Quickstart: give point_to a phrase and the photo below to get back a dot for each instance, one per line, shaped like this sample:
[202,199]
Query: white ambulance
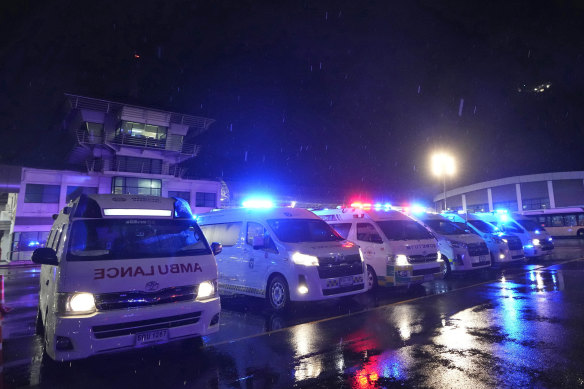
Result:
[124,271]
[504,248]
[397,249]
[535,239]
[282,254]
[460,249]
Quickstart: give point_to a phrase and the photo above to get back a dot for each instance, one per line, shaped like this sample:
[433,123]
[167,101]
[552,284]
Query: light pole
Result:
[442,166]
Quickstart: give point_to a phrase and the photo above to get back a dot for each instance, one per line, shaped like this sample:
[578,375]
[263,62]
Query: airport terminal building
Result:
[120,149]
[519,193]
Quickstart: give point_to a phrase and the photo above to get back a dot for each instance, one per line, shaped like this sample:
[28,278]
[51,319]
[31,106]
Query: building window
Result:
[204,199]
[140,134]
[477,208]
[138,165]
[538,203]
[182,195]
[39,193]
[137,186]
[75,191]
[29,240]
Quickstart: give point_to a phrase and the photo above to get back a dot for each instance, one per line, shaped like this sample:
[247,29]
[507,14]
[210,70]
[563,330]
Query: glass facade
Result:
[137,186]
[40,193]
[204,199]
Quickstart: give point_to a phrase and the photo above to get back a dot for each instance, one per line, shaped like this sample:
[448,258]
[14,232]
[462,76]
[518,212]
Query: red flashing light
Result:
[356,205]
[136,55]
[348,244]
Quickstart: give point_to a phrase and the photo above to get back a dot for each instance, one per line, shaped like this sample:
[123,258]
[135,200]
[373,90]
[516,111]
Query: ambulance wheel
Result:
[371,279]
[447,269]
[39,327]
[278,293]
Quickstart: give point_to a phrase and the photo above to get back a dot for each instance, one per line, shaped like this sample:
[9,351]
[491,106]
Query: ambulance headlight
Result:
[399,260]
[206,290]
[535,242]
[304,259]
[77,303]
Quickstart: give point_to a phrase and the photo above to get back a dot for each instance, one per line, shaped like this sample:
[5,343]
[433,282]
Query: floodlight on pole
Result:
[443,165]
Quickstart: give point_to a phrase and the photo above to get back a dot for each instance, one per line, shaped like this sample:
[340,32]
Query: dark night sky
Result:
[320,98]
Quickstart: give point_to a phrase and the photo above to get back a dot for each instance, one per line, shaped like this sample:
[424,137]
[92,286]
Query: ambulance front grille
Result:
[135,299]
[514,242]
[339,266]
[476,249]
[433,257]
[133,327]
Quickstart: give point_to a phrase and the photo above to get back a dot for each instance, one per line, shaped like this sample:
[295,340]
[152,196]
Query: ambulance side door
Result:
[258,258]
[371,243]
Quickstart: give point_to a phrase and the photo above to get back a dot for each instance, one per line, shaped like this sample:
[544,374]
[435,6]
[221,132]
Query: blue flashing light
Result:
[528,246]
[537,232]
[258,203]
[33,243]
[377,205]
[417,209]
[501,211]
[387,205]
[503,217]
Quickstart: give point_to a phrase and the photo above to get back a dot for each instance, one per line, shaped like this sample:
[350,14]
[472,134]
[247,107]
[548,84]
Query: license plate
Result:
[151,337]
[483,258]
[346,281]
[428,277]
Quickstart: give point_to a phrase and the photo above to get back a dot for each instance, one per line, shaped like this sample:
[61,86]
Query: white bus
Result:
[560,221]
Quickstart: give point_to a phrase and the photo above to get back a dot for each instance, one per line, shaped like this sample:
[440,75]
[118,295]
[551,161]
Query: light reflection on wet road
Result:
[520,326]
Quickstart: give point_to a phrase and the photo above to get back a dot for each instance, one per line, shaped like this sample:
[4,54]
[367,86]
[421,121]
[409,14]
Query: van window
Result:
[510,227]
[482,226]
[444,227]
[225,233]
[255,230]
[303,230]
[403,230]
[342,228]
[530,225]
[367,233]
[105,239]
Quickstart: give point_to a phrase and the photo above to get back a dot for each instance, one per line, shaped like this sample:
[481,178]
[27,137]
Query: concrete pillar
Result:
[519,201]
[490,197]
[551,194]
[464,203]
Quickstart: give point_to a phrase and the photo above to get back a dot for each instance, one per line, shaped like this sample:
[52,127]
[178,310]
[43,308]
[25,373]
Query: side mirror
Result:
[45,256]
[259,242]
[216,248]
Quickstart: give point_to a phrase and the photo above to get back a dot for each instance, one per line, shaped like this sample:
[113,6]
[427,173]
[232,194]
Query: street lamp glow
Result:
[443,164]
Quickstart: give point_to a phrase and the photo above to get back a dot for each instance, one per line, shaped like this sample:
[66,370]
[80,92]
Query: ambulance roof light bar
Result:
[136,212]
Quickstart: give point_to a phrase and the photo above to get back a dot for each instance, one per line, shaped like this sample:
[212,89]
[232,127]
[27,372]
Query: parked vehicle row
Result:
[126,271]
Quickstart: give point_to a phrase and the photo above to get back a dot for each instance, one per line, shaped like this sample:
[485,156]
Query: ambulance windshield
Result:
[403,230]
[444,227]
[106,239]
[303,230]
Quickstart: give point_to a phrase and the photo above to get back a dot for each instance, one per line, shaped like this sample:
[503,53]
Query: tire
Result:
[278,294]
[447,269]
[371,279]
[39,326]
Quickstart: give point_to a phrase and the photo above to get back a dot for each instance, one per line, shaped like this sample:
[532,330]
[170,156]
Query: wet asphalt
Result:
[517,326]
